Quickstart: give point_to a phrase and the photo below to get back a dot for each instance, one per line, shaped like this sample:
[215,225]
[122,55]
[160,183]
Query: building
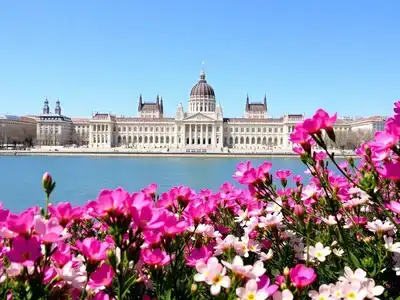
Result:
[16,130]
[54,129]
[202,128]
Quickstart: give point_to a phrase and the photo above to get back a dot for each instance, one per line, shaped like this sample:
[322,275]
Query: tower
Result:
[162,106]
[57,110]
[140,103]
[202,96]
[265,102]
[46,108]
[246,108]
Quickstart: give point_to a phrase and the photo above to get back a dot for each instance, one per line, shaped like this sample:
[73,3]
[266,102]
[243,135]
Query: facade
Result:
[54,129]
[16,130]
[202,128]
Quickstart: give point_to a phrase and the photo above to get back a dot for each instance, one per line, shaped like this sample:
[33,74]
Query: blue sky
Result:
[343,56]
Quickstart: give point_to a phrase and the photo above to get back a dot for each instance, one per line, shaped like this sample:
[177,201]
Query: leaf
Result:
[355,260]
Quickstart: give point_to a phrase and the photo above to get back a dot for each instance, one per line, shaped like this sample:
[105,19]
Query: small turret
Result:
[162,106]
[57,110]
[247,103]
[46,108]
[158,101]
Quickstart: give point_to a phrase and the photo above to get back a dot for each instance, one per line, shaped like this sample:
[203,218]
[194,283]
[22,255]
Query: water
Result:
[80,179]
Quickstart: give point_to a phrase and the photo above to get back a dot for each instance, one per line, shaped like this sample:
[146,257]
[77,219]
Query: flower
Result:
[101,277]
[65,213]
[250,291]
[213,273]
[349,275]
[155,257]
[372,289]
[390,246]
[25,250]
[302,276]
[324,293]
[93,249]
[378,226]
[319,251]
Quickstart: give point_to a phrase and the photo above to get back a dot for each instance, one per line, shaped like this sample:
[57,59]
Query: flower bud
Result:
[286,271]
[193,288]
[298,210]
[46,181]
[112,258]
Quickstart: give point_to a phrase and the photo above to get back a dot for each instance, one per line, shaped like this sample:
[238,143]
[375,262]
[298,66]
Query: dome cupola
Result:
[202,88]
[202,96]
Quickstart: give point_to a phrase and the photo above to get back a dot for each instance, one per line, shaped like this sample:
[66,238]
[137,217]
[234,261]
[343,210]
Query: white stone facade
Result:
[202,128]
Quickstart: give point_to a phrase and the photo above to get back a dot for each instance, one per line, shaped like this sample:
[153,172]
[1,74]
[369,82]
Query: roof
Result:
[256,107]
[103,116]
[80,120]
[134,119]
[150,107]
[54,117]
[202,88]
[251,120]
[9,117]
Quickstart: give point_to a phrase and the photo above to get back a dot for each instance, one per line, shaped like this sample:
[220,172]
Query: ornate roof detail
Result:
[202,88]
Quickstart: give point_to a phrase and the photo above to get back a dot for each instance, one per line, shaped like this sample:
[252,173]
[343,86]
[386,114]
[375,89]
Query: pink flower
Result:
[391,171]
[313,125]
[384,140]
[150,190]
[394,207]
[101,277]
[62,255]
[101,296]
[172,225]
[283,175]
[264,284]
[198,254]
[25,250]
[241,169]
[109,201]
[327,122]
[155,257]
[302,276]
[144,215]
[93,249]
[21,223]
[65,213]
[49,230]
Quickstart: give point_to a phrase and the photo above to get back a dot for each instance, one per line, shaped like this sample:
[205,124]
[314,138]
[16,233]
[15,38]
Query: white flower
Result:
[372,289]
[237,266]
[354,291]
[324,293]
[250,291]
[271,220]
[329,221]
[390,246]
[337,290]
[274,206]
[225,244]
[284,295]
[213,273]
[241,247]
[266,256]
[358,275]
[338,252]
[319,251]
[379,226]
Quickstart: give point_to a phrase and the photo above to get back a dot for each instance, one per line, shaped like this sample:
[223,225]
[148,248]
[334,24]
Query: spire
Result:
[158,100]
[162,106]
[265,101]
[140,103]
[247,102]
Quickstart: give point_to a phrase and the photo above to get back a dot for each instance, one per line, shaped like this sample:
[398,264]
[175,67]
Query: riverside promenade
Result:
[131,153]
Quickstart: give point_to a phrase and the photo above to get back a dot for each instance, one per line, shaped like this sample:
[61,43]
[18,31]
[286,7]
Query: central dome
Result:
[202,88]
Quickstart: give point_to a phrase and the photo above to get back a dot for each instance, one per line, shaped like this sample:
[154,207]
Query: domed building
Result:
[202,128]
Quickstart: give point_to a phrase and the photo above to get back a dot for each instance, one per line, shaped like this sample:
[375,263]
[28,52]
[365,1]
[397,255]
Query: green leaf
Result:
[355,260]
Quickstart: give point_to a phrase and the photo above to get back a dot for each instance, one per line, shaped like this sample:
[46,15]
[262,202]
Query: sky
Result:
[343,56]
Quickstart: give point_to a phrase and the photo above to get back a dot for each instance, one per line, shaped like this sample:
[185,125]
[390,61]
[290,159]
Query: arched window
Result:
[264,140]
[253,140]
[276,141]
[119,140]
[242,140]
[156,139]
[236,140]
[151,139]
[140,140]
[167,139]
[162,140]
[129,139]
[124,140]
[230,140]
[259,140]
[146,139]
[135,139]
[247,140]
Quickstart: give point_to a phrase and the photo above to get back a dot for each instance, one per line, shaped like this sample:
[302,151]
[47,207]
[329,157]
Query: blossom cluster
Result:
[332,233]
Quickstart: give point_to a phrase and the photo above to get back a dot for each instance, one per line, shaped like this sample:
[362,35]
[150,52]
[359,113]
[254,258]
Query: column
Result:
[201,134]
[206,134]
[213,136]
[190,134]
[196,134]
